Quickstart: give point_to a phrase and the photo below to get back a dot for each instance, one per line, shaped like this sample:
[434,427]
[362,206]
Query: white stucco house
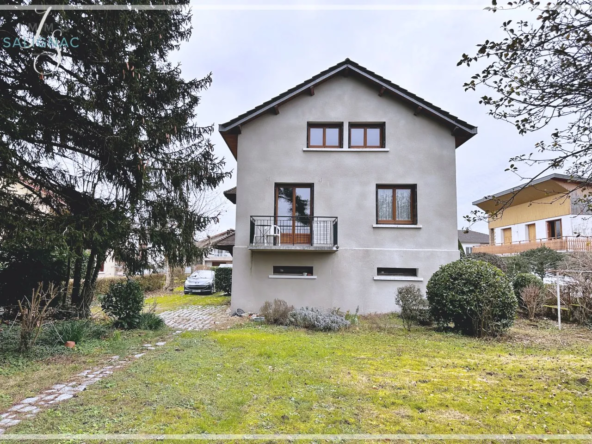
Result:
[346,190]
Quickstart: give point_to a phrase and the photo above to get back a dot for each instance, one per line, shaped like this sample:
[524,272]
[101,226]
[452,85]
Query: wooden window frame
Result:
[396,221]
[365,127]
[308,269]
[397,271]
[324,127]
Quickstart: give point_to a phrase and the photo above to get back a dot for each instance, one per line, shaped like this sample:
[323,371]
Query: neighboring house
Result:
[471,239]
[111,268]
[221,245]
[540,214]
[346,191]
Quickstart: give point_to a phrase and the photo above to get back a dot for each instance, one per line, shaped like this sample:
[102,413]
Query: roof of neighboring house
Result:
[217,239]
[231,195]
[461,130]
[537,189]
[472,237]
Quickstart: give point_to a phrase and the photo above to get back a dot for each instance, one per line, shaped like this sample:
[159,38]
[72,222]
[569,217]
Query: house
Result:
[470,239]
[543,213]
[346,191]
[221,246]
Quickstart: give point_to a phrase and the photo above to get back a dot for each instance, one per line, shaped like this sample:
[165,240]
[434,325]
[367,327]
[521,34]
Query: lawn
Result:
[376,379]
[176,300]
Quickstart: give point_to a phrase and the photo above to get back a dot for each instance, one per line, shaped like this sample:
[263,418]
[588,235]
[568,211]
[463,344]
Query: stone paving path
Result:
[199,317]
[29,407]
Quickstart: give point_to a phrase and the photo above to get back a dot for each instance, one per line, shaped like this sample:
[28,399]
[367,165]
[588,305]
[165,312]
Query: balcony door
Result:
[294,213]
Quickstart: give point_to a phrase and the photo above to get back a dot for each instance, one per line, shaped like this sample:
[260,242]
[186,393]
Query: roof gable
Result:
[461,130]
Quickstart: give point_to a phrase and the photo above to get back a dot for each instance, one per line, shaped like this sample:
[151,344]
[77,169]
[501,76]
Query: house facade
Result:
[549,212]
[345,191]
[220,249]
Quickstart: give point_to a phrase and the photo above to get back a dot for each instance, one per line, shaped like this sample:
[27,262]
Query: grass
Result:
[168,301]
[22,376]
[376,379]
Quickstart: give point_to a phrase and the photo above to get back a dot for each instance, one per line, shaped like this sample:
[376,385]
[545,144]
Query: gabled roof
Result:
[213,241]
[537,189]
[472,237]
[461,130]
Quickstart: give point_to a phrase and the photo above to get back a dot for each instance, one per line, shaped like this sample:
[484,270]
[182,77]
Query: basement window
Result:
[280,270]
[402,272]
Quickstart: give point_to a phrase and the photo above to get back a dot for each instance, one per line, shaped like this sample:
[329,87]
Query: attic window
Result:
[325,135]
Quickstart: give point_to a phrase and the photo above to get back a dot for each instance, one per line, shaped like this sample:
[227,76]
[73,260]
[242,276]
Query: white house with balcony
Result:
[346,190]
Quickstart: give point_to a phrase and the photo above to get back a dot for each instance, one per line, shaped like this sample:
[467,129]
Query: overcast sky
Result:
[256,54]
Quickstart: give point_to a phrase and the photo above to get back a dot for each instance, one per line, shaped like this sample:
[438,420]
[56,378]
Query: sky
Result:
[258,52]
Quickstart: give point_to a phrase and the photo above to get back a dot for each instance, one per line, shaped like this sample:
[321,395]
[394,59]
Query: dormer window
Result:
[325,135]
[366,135]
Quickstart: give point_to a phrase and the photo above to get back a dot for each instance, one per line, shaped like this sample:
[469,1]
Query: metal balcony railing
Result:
[293,230]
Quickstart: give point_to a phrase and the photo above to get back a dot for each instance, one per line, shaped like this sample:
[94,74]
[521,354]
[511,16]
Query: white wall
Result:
[421,152]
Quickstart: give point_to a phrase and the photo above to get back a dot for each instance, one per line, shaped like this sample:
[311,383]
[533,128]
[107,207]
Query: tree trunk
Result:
[169,281]
[83,308]
[75,298]
[88,292]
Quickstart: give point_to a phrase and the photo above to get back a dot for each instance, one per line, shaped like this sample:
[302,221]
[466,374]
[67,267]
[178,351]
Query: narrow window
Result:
[366,135]
[102,269]
[469,250]
[292,270]
[396,204]
[325,135]
[405,272]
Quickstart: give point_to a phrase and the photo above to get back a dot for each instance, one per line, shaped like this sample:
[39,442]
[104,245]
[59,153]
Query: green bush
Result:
[542,259]
[150,321]
[412,304]
[523,280]
[123,302]
[223,279]
[79,331]
[514,265]
[492,259]
[148,282]
[474,296]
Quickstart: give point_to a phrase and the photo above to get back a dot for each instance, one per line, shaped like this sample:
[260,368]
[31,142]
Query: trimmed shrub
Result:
[492,259]
[58,333]
[150,321]
[411,301]
[523,280]
[223,279]
[542,259]
[148,282]
[315,319]
[474,296]
[514,265]
[276,312]
[123,302]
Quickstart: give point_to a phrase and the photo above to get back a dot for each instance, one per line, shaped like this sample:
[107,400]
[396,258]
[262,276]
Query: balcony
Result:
[293,233]
[565,243]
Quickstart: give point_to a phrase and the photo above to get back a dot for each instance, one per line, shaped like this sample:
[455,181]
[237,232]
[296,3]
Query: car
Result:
[200,282]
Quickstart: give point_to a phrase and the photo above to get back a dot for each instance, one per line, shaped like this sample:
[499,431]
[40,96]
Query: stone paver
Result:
[198,317]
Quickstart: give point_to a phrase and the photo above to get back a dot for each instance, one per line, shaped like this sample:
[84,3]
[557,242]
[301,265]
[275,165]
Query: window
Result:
[102,269]
[292,270]
[325,135]
[406,272]
[554,229]
[469,250]
[366,135]
[395,204]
